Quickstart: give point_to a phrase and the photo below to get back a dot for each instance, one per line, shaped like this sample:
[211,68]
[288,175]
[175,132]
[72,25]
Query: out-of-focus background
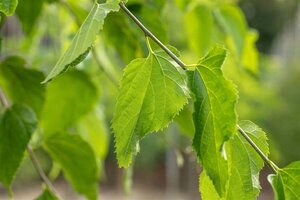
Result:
[268,81]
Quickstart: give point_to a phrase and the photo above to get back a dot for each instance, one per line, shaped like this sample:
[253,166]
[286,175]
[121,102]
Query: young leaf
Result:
[22,85]
[84,38]
[77,161]
[8,6]
[68,98]
[286,182]
[152,92]
[244,163]
[46,195]
[214,116]
[207,188]
[16,127]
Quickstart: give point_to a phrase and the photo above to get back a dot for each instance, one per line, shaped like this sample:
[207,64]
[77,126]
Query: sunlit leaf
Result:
[17,125]
[77,161]
[286,182]
[84,38]
[214,116]
[152,92]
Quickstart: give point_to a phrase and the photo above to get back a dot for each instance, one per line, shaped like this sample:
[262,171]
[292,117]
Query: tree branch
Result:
[272,166]
[32,156]
[152,36]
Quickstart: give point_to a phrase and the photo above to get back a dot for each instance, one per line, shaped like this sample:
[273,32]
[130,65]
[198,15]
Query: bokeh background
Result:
[268,81]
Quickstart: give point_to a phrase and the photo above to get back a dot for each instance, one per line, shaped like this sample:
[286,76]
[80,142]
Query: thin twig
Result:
[272,166]
[40,171]
[32,156]
[152,36]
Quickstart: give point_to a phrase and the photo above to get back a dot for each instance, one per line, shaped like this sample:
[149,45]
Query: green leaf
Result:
[214,117]
[152,93]
[22,85]
[77,161]
[207,188]
[286,182]
[17,125]
[185,122]
[8,6]
[84,38]
[244,163]
[234,24]
[250,53]
[28,12]
[47,195]
[68,98]
[93,129]
[199,28]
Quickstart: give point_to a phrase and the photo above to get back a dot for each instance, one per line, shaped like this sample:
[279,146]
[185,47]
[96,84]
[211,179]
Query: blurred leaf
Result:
[286,182]
[8,6]
[28,11]
[93,129]
[214,116]
[77,161]
[199,27]
[46,195]
[152,92]
[185,121]
[17,125]
[245,163]
[250,53]
[22,85]
[68,98]
[234,24]
[84,38]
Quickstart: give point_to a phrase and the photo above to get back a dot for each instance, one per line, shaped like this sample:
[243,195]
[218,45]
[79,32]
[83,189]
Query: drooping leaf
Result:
[47,195]
[214,117]
[244,163]
[152,92]
[77,161]
[28,11]
[68,98]
[84,38]
[185,122]
[199,28]
[8,6]
[93,129]
[16,127]
[234,24]
[22,85]
[286,182]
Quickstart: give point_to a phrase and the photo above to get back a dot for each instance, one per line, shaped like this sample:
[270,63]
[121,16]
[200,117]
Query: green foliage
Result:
[46,195]
[8,6]
[28,12]
[17,125]
[84,38]
[77,161]
[153,92]
[68,98]
[286,182]
[147,87]
[214,117]
[22,85]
